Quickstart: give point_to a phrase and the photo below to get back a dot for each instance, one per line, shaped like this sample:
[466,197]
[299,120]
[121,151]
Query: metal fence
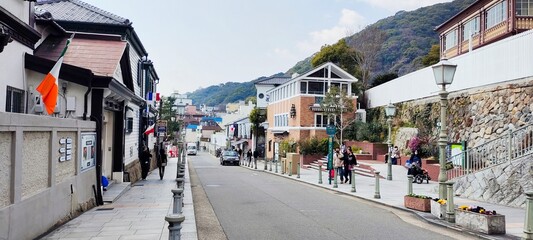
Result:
[516,144]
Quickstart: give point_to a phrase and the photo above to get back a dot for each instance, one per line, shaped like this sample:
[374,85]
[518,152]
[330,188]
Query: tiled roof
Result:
[78,11]
[100,56]
[273,81]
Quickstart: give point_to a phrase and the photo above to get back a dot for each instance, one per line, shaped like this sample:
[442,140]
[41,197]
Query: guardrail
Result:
[516,144]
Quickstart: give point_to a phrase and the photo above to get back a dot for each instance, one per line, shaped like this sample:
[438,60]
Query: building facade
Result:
[482,23]
[294,110]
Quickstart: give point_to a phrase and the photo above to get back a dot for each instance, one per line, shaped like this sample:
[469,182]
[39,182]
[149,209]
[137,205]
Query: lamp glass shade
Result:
[390,110]
[444,72]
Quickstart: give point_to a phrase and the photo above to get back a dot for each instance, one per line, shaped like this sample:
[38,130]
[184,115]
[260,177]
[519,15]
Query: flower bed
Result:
[438,208]
[417,202]
[481,220]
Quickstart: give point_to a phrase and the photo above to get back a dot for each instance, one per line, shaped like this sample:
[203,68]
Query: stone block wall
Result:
[502,184]
[475,115]
[35,164]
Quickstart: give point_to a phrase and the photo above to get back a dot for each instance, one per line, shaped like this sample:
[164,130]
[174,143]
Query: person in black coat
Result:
[349,164]
[145,162]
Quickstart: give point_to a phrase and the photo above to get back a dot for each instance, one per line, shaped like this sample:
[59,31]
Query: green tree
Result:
[338,106]
[383,78]
[167,111]
[339,53]
[253,99]
[432,57]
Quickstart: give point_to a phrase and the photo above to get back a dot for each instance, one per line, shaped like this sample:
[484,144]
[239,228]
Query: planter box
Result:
[488,224]
[419,204]
[438,210]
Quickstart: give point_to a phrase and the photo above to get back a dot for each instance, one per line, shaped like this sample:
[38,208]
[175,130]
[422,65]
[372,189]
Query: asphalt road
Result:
[240,203]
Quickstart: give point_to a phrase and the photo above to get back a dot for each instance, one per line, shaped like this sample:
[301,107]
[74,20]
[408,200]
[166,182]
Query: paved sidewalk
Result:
[139,213]
[392,193]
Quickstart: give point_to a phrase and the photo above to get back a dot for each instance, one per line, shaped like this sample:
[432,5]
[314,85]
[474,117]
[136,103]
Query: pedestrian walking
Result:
[145,162]
[338,163]
[249,156]
[395,155]
[349,164]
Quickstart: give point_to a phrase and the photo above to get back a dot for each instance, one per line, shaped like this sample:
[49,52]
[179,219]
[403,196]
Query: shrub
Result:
[414,143]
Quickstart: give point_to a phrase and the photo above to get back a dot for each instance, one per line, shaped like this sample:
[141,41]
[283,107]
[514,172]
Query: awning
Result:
[235,143]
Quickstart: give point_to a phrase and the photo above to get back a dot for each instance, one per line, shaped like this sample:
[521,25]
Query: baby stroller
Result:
[419,174]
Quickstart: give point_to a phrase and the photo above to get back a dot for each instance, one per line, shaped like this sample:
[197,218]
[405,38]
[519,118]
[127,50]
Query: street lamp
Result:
[443,72]
[390,111]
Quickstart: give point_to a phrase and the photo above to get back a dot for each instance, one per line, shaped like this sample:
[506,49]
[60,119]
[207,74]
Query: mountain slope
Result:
[409,37]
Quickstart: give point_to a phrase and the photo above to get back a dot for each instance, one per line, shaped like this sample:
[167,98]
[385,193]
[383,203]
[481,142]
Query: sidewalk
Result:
[392,193]
[139,212]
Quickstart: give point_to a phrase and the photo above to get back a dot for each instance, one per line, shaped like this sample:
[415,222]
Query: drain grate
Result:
[105,209]
[138,184]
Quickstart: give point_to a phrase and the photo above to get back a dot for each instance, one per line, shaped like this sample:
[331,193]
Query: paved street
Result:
[259,205]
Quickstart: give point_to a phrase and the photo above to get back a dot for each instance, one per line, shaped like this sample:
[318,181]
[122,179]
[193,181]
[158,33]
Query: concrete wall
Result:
[38,190]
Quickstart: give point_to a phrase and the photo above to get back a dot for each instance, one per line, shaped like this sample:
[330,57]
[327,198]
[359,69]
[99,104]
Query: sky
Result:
[198,43]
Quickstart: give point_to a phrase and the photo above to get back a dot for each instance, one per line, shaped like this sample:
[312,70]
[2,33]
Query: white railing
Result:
[515,144]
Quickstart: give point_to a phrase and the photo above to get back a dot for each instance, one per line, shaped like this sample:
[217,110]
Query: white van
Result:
[191,149]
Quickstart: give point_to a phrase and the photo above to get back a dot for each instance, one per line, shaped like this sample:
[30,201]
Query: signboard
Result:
[331,130]
[87,151]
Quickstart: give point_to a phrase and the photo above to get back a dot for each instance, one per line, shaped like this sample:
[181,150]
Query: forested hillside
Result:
[409,36]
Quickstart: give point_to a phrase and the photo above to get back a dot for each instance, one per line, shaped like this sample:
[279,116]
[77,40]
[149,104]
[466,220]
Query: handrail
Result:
[515,144]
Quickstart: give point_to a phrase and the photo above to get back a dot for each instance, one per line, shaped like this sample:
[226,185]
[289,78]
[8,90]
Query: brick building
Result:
[294,111]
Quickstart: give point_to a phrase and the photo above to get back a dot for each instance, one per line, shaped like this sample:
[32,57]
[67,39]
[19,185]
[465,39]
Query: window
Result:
[303,87]
[470,28]
[14,100]
[316,88]
[496,14]
[129,125]
[524,7]
[261,96]
[450,39]
[322,120]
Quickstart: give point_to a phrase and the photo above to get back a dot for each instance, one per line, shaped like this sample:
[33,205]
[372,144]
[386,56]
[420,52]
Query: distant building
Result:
[482,23]
[181,102]
[240,107]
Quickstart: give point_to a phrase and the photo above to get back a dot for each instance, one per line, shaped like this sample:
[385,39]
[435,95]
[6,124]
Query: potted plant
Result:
[417,202]
[479,219]
[438,208]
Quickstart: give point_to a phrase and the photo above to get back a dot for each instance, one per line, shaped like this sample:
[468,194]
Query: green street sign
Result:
[331,129]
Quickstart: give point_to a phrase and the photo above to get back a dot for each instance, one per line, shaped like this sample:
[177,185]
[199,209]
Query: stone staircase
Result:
[361,169]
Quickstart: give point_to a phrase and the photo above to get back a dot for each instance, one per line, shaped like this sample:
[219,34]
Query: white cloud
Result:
[348,21]
[407,5]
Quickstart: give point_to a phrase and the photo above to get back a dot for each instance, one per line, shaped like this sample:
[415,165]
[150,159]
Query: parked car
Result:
[229,156]
[191,150]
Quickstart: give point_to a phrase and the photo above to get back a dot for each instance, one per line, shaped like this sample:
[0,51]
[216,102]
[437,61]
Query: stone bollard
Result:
[290,168]
[176,206]
[266,164]
[298,171]
[180,182]
[409,184]
[255,163]
[282,167]
[320,173]
[270,164]
[181,174]
[450,207]
[528,223]
[174,226]
[376,194]
[353,180]
[276,167]
[335,185]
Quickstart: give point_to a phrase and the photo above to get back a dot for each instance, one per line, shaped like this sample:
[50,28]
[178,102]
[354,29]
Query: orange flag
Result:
[48,87]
